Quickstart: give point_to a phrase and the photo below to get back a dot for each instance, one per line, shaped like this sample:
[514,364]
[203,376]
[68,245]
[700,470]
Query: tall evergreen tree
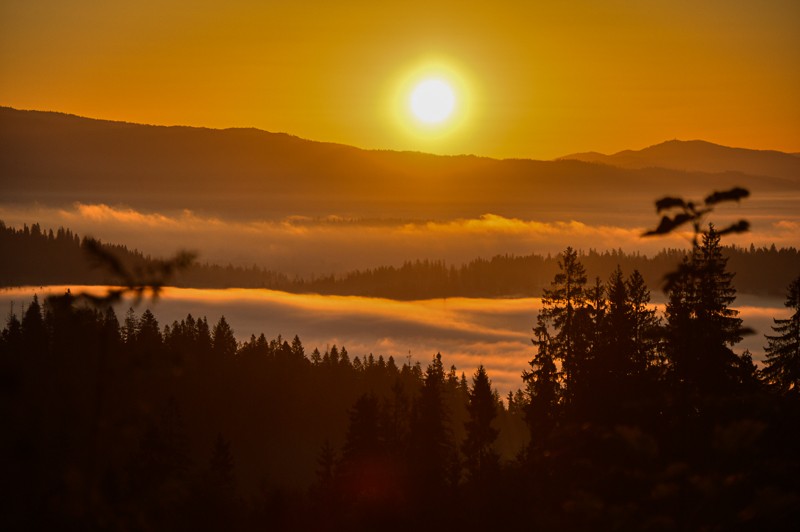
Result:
[542,387]
[783,348]
[715,293]
[223,343]
[363,431]
[701,326]
[481,434]
[34,333]
[432,446]
[646,324]
[564,307]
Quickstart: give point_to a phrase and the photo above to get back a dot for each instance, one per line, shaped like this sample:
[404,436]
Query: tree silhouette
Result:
[480,457]
[542,387]
[432,446]
[646,324]
[223,343]
[783,349]
[701,325]
[563,307]
[33,332]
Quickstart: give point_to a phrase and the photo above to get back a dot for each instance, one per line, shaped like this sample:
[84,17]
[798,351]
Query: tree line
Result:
[34,256]
[625,419]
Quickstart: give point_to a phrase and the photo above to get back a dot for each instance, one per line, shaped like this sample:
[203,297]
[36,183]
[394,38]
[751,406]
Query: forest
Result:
[625,419]
[36,256]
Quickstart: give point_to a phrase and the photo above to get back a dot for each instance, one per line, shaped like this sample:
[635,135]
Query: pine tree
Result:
[715,292]
[34,333]
[646,324]
[148,334]
[432,446]
[223,343]
[542,387]
[564,308]
[478,445]
[701,327]
[363,431]
[783,349]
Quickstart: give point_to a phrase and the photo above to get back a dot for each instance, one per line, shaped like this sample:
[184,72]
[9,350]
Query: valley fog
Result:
[466,331]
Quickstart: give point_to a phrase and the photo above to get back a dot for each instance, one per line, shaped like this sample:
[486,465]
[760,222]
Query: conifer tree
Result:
[542,387]
[478,445]
[363,431]
[432,446]
[564,308]
[715,292]
[34,333]
[701,327]
[617,333]
[646,324]
[783,348]
[223,341]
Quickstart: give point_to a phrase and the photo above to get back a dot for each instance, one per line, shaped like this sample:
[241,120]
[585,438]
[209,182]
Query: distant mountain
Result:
[701,156]
[56,159]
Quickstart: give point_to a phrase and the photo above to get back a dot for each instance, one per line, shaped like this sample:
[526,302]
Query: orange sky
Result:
[535,81]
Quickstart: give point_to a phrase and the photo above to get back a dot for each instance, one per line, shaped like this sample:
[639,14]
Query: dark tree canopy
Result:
[783,348]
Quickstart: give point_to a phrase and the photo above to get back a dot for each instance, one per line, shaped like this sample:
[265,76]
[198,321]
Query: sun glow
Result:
[433,104]
[432,101]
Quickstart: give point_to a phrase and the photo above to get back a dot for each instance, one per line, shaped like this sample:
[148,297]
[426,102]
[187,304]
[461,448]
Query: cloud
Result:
[466,331]
[303,245]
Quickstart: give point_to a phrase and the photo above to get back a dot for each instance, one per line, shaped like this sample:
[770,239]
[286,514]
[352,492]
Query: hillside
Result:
[55,159]
[701,156]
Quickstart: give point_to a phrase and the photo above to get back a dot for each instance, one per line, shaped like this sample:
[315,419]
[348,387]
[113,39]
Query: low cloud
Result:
[302,245]
[466,331]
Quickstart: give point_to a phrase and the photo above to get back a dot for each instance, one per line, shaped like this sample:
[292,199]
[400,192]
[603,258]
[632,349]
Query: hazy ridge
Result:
[56,159]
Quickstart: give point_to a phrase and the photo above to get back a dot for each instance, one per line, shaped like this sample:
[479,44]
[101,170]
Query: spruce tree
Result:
[223,341]
[701,327]
[432,446]
[646,324]
[542,388]
[478,445]
[564,308]
[715,293]
[783,349]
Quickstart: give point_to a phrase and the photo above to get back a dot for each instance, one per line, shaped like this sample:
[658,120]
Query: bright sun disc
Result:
[432,101]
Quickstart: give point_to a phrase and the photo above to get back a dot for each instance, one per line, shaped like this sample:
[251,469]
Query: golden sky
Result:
[532,79]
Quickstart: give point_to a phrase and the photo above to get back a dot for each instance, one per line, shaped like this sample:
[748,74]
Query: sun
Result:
[432,101]
[432,104]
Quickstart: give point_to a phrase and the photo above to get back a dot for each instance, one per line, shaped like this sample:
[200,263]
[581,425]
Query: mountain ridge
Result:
[699,155]
[58,159]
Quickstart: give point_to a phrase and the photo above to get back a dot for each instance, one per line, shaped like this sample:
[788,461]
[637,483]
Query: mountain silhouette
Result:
[54,159]
[700,156]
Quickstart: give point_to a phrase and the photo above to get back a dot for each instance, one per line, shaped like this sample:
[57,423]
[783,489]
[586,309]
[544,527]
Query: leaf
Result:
[668,203]
[742,226]
[668,224]
[734,194]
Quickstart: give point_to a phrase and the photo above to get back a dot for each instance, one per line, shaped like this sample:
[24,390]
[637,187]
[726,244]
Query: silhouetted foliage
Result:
[694,213]
[59,257]
[622,424]
[480,458]
[783,348]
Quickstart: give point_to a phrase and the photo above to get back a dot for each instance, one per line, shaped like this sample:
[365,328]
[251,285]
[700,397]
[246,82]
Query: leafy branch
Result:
[694,213]
[138,281]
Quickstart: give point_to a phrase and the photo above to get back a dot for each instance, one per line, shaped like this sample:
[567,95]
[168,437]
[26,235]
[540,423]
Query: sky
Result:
[531,79]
